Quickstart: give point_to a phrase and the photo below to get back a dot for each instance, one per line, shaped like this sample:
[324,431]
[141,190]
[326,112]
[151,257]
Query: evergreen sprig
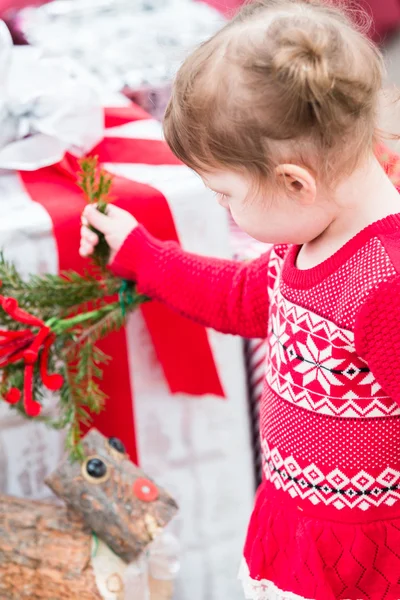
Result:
[96,184]
[42,292]
[80,310]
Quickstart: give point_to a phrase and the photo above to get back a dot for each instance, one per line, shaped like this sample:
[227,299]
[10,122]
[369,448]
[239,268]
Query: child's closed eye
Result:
[222,199]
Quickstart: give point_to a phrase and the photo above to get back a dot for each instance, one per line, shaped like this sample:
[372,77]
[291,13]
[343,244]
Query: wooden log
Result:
[44,553]
[119,502]
[46,549]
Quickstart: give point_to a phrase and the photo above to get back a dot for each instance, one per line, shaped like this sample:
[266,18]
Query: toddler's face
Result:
[265,216]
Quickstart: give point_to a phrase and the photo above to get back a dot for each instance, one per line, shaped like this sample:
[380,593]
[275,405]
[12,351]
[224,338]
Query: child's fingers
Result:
[85,249]
[96,219]
[115,212]
[89,236]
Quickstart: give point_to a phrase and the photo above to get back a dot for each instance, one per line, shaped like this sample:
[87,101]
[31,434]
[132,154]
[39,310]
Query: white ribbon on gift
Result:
[46,108]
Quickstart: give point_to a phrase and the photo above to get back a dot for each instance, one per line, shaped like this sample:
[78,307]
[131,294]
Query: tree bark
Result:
[124,507]
[44,553]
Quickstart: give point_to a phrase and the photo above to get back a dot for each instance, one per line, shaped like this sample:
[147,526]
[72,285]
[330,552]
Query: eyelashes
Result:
[219,196]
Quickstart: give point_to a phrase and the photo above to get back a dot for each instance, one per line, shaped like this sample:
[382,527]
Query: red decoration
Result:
[27,346]
[145,490]
[180,344]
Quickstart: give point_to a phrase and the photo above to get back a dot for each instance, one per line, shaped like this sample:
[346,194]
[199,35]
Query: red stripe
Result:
[63,201]
[253,349]
[258,364]
[120,115]
[258,382]
[256,346]
[181,345]
[135,151]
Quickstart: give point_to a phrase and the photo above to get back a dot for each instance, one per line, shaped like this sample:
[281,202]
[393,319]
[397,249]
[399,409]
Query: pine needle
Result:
[95,184]
[80,310]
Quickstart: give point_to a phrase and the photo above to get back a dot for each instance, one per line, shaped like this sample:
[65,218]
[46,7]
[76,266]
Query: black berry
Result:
[96,468]
[117,445]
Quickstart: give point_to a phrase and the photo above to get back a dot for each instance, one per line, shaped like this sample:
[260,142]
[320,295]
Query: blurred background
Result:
[143,41]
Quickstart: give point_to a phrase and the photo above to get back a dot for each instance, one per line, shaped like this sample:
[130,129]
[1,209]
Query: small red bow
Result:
[28,346]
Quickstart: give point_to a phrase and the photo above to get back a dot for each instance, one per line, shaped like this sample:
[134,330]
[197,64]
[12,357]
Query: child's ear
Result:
[298,182]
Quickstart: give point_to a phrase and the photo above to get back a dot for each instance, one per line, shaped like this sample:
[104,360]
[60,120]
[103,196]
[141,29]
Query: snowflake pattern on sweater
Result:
[326,522]
[313,363]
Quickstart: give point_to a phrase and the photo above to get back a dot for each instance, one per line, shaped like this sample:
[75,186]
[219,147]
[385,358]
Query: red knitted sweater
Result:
[326,523]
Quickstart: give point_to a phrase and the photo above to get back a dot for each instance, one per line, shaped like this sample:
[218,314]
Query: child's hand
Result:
[116,226]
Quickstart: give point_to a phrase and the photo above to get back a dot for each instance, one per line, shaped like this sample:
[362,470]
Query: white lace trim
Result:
[263,589]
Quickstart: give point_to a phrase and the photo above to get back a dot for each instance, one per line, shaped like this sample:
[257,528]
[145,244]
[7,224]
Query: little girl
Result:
[278,115]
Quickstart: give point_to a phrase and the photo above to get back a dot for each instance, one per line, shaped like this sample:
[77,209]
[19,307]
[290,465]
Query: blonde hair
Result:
[284,80]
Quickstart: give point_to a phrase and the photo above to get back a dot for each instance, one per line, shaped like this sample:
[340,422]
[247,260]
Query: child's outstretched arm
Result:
[226,295]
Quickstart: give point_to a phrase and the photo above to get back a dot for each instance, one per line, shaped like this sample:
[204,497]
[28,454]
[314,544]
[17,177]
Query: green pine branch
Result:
[83,373]
[96,184]
[94,181]
[80,397]
[41,292]
[77,309]
[113,321]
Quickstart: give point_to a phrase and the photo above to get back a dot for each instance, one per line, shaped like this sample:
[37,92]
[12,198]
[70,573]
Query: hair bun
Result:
[301,62]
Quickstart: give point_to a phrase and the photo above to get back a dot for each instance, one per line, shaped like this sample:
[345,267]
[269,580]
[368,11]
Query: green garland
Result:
[71,312]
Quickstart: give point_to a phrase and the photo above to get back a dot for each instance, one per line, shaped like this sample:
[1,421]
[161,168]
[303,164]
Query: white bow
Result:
[46,108]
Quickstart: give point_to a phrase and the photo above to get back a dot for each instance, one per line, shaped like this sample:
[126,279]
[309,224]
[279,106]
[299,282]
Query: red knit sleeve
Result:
[377,336]
[226,295]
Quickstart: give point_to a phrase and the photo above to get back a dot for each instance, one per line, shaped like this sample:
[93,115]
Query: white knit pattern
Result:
[363,490]
[310,359]
[263,589]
